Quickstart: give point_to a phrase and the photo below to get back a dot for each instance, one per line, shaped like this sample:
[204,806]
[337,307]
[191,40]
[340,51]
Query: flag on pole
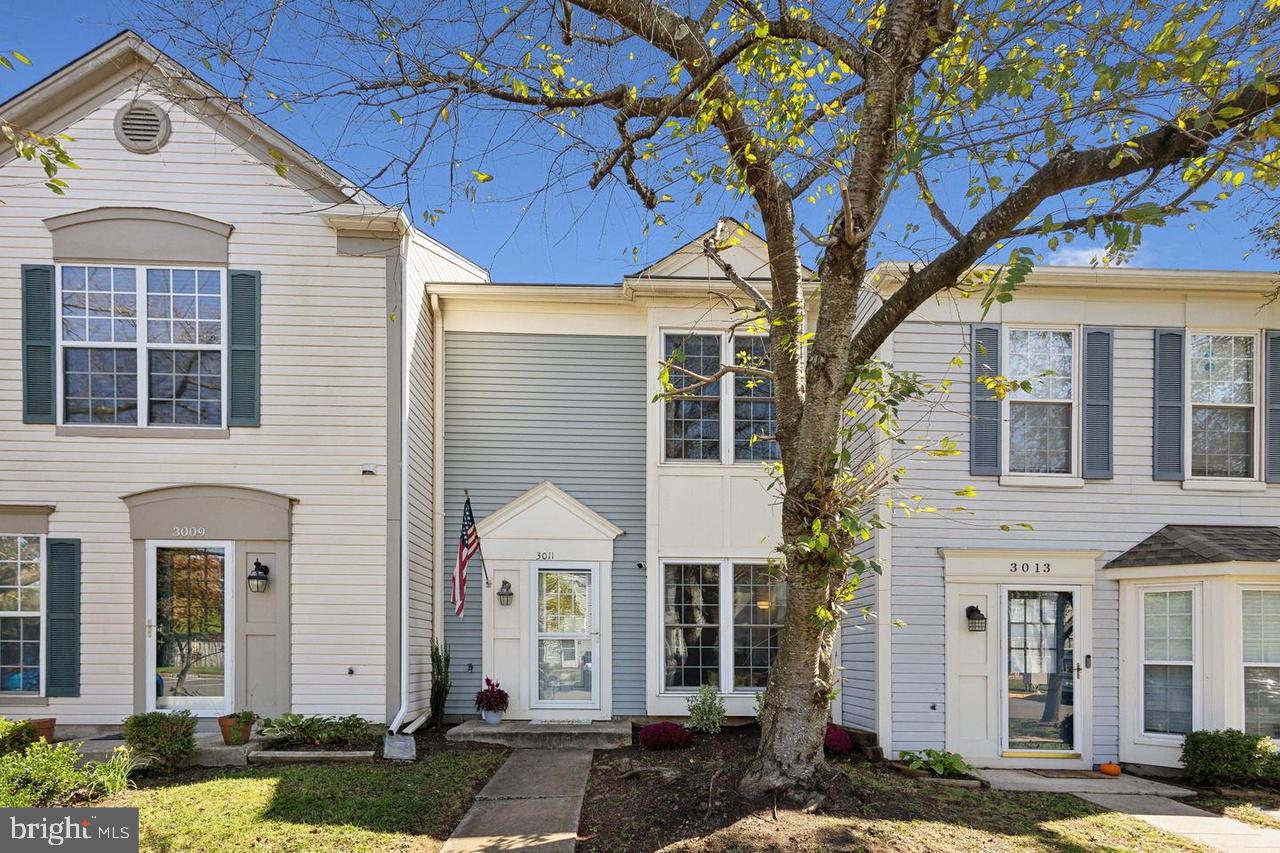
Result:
[468,546]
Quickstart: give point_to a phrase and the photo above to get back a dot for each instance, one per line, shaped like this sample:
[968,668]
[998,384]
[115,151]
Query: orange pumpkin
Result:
[1109,769]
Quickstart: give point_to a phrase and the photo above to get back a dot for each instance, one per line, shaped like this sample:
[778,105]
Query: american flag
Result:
[468,545]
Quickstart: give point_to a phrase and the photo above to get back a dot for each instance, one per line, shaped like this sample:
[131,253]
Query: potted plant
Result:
[237,727]
[44,727]
[492,701]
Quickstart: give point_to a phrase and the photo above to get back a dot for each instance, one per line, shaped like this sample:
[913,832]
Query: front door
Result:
[566,648]
[189,628]
[1042,673]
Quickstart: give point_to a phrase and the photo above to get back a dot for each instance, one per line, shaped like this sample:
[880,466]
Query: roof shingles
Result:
[1191,544]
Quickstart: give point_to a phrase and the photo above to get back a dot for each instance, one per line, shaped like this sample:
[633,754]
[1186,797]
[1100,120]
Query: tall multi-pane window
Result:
[759,604]
[1260,611]
[141,345]
[1040,419]
[755,419]
[691,624]
[693,417]
[722,624]
[21,576]
[1168,654]
[1222,394]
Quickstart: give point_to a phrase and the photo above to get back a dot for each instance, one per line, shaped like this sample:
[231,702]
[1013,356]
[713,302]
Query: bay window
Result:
[21,614]
[1041,419]
[1223,404]
[1168,661]
[141,346]
[721,624]
[1260,617]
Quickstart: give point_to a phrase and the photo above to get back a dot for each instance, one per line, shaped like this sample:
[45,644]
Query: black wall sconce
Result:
[259,577]
[977,620]
[505,594]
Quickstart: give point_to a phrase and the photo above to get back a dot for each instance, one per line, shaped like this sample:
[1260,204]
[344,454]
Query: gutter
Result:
[398,720]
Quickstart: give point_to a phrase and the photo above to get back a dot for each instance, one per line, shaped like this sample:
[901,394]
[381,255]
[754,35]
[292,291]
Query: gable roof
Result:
[1193,544]
[126,59]
[749,257]
[548,496]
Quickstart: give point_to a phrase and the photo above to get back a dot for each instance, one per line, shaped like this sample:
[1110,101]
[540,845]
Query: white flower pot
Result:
[492,717]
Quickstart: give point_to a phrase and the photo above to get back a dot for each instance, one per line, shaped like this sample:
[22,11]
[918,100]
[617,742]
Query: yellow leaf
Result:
[482,177]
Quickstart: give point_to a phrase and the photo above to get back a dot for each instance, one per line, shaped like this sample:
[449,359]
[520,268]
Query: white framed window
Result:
[1044,421]
[1260,656]
[1222,405]
[1168,645]
[22,584]
[141,346]
[697,425]
[721,624]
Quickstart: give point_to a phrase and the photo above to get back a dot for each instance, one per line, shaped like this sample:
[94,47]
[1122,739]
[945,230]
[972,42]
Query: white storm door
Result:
[1042,673]
[566,646]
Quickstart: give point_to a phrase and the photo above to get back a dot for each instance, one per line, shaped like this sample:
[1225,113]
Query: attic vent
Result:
[142,127]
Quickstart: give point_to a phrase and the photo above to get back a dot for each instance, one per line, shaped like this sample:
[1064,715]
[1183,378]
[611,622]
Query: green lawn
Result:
[357,807]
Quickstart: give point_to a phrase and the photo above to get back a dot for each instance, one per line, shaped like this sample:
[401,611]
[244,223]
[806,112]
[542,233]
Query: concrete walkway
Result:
[1092,783]
[531,803]
[1212,830]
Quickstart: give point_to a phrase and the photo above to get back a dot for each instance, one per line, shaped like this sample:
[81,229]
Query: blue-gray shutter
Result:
[38,345]
[1271,443]
[244,321]
[1166,439]
[62,618]
[984,406]
[1097,395]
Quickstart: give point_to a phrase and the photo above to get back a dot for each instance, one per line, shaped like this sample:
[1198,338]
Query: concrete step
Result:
[525,734]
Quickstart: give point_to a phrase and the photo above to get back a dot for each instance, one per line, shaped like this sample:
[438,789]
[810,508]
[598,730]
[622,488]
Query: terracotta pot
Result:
[1109,769]
[44,727]
[235,732]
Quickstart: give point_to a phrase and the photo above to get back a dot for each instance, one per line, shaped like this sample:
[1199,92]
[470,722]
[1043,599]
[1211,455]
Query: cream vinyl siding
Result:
[1108,515]
[323,412]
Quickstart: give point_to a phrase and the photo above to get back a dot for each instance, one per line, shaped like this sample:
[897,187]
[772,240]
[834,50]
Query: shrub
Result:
[1227,757]
[351,731]
[837,742]
[440,681]
[47,775]
[706,711]
[939,762]
[16,735]
[666,735]
[492,697]
[166,740]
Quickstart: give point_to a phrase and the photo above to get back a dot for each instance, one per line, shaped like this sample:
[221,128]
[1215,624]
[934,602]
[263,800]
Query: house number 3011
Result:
[1030,568]
[188,531]
[545,555]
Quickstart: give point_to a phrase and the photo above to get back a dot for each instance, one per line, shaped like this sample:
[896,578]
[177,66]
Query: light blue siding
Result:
[520,409]
[858,650]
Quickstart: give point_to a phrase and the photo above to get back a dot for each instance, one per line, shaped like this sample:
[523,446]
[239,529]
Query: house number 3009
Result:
[1030,568]
[188,531]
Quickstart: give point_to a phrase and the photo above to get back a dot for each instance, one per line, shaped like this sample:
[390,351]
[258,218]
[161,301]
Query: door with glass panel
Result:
[567,638]
[188,628]
[1042,718]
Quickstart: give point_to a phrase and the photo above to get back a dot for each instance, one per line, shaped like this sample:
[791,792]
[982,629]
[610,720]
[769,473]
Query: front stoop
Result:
[522,734]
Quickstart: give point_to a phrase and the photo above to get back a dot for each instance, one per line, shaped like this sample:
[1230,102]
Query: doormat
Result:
[1069,774]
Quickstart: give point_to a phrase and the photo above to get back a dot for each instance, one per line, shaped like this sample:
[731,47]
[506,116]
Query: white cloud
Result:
[1084,256]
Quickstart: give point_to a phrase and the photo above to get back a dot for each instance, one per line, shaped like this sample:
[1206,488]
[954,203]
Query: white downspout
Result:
[437,467]
[405,360]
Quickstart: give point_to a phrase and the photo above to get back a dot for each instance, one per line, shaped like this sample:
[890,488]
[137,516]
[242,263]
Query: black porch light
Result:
[505,593]
[977,619]
[259,577]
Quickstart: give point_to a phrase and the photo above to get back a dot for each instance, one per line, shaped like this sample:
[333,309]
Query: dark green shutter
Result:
[1166,439]
[1271,436]
[62,618]
[1097,394]
[244,321]
[984,406]
[38,345]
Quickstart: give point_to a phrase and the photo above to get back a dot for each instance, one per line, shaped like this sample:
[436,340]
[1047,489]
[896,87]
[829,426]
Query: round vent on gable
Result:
[142,127]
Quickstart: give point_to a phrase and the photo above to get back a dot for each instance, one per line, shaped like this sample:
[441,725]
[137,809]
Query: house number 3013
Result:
[188,531]
[545,555]
[1030,568]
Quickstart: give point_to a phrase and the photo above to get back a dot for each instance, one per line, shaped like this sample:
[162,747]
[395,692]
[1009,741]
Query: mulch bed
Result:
[641,800]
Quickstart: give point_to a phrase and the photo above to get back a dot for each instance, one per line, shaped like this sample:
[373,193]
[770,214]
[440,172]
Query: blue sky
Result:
[574,235]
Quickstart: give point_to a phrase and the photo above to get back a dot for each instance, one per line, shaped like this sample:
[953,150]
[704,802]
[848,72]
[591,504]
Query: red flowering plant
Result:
[837,741]
[492,697]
